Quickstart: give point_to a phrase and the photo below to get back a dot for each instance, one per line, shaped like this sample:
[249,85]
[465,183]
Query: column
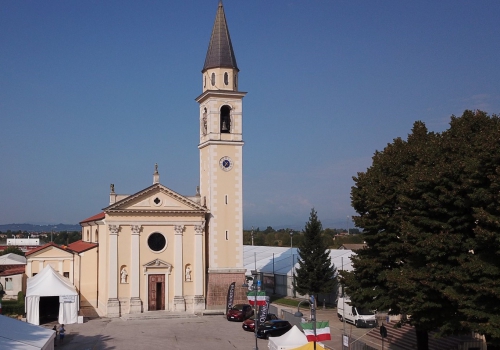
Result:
[113,305]
[179,302]
[60,267]
[135,300]
[199,299]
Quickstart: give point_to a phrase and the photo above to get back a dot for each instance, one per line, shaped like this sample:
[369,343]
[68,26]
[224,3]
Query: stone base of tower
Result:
[218,282]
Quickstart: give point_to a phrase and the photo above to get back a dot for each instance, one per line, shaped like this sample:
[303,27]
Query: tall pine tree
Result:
[315,273]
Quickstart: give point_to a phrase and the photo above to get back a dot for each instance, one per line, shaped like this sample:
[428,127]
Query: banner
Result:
[230,297]
[263,310]
[261,297]
[322,331]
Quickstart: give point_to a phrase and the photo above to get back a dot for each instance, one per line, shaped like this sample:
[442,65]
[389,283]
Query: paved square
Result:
[204,332]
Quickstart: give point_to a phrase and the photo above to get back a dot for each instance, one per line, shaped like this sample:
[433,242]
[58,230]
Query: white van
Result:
[355,315]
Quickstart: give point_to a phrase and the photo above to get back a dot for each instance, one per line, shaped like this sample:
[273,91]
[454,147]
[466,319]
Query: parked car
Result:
[249,325]
[239,312]
[273,328]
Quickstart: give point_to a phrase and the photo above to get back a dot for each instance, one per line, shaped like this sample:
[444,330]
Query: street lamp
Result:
[2,292]
[251,234]
[291,256]
[312,304]
[254,287]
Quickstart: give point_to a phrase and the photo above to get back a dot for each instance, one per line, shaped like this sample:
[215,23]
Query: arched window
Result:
[213,79]
[225,119]
[226,79]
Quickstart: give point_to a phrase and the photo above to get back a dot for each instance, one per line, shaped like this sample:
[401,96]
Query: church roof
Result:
[81,246]
[220,52]
[96,217]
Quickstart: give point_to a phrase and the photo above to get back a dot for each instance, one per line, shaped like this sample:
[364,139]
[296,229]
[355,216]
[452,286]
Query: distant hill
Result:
[39,228]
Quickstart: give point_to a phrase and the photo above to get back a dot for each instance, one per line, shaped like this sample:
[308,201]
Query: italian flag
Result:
[322,331]
[261,298]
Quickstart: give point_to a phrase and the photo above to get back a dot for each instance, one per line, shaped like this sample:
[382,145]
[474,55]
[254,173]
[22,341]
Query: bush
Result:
[12,307]
[20,297]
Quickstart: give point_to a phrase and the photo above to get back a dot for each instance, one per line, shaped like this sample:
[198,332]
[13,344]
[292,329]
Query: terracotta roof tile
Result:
[51,244]
[13,271]
[99,216]
[81,246]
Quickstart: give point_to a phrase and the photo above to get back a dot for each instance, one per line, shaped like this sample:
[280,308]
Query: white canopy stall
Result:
[290,340]
[49,283]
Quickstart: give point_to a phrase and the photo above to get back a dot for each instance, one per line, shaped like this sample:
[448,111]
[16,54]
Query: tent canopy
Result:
[310,346]
[24,336]
[290,340]
[49,283]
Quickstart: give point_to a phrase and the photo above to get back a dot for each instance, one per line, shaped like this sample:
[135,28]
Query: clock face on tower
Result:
[226,163]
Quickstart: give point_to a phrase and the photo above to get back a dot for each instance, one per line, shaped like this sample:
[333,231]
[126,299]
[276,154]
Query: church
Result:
[157,249]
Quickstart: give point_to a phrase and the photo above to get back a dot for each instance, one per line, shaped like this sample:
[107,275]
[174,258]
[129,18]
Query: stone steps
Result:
[154,315]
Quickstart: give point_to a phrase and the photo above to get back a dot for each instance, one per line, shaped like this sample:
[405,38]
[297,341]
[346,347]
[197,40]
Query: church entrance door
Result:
[156,298]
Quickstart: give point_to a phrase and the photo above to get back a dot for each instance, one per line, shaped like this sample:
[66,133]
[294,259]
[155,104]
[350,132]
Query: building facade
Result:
[160,250]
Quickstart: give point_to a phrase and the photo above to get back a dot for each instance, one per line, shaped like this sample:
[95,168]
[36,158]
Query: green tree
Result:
[13,250]
[429,212]
[315,273]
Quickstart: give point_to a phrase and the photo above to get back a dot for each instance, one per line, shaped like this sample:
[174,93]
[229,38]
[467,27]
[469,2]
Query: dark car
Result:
[273,328]
[249,325]
[239,312]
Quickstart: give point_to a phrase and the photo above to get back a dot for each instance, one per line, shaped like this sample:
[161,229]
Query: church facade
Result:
[160,250]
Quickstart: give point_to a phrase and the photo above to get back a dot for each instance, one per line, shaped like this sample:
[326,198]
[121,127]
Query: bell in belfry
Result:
[224,126]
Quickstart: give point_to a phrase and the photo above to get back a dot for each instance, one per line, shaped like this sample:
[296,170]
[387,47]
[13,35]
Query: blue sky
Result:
[97,92]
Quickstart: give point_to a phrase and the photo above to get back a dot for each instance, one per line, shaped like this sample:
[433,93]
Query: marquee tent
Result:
[290,340]
[17,335]
[49,283]
[310,346]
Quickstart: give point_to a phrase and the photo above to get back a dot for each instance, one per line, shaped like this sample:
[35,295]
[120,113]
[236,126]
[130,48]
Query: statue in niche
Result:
[123,276]
[188,274]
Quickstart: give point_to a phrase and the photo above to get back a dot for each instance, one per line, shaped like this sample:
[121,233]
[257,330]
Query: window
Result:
[157,242]
[226,198]
[227,237]
[96,236]
[8,283]
[226,79]
[66,274]
[33,275]
[213,79]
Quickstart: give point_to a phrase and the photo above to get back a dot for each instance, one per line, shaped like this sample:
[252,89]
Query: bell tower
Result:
[221,163]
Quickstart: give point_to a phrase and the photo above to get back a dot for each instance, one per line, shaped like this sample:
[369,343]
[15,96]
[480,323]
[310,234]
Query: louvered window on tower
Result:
[225,119]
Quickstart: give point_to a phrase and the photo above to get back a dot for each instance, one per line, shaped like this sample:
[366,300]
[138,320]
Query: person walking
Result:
[55,338]
[62,332]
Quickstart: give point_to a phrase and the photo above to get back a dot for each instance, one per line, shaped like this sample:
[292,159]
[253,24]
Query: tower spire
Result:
[220,52]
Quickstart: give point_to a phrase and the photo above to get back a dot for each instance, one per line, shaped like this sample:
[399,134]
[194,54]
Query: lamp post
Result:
[312,304]
[2,292]
[291,257]
[255,289]
[251,234]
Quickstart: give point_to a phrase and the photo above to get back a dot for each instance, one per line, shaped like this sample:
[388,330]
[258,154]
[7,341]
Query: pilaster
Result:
[179,302]
[199,299]
[113,305]
[135,300]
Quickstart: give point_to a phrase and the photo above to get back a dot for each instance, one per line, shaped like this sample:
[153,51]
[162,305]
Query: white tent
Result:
[49,283]
[12,259]
[17,335]
[290,340]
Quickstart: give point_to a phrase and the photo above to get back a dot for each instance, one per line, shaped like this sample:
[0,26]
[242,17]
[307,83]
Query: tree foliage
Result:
[430,214]
[315,273]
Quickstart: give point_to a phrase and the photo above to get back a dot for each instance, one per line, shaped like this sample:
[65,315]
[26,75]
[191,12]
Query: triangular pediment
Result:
[157,264]
[50,251]
[156,198]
